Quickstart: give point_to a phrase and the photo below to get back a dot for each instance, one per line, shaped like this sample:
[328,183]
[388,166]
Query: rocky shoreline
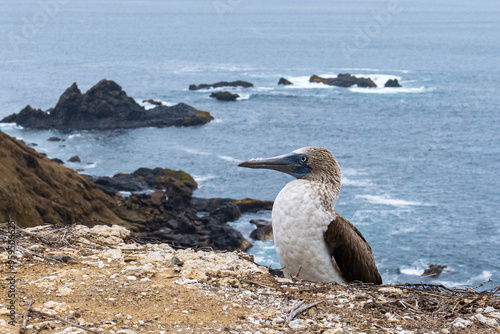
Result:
[49,193]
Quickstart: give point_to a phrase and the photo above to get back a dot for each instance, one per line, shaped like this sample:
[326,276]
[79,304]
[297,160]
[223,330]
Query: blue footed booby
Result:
[313,242]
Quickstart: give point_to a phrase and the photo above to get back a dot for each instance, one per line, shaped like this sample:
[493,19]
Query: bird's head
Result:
[309,163]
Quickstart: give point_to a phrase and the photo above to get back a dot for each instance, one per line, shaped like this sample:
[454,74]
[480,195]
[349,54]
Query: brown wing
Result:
[352,254]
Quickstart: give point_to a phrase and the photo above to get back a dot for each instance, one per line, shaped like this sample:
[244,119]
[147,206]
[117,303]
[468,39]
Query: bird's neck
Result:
[329,193]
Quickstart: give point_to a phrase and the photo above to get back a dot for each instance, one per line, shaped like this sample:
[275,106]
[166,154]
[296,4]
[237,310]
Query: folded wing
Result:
[350,252]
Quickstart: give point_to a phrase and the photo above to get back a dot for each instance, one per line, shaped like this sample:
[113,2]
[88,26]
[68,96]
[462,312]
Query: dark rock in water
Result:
[245,205]
[75,158]
[344,80]
[226,213]
[237,83]
[144,179]
[105,106]
[32,144]
[433,270]
[392,83]
[260,222]
[264,230]
[284,81]
[225,237]
[151,101]
[54,138]
[59,161]
[224,96]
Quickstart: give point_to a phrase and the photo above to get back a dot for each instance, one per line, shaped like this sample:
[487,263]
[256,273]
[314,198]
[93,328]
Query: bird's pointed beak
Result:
[288,163]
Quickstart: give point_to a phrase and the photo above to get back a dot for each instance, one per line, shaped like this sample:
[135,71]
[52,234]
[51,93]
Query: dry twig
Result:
[25,318]
[301,307]
[56,317]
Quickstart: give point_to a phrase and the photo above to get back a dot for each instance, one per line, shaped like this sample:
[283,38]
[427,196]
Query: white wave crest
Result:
[390,90]
[146,105]
[202,178]
[386,200]
[483,277]
[228,158]
[371,69]
[355,183]
[416,269]
[404,230]
[194,151]
[244,96]
[412,271]
[11,126]
[352,172]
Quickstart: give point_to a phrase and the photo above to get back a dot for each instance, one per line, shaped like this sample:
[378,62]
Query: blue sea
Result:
[420,164]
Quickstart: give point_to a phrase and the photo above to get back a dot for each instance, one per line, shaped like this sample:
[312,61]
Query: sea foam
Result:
[390,90]
[347,69]
[148,106]
[356,183]
[11,126]
[386,200]
[228,158]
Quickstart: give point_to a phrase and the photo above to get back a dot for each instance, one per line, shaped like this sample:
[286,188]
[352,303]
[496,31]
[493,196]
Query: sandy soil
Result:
[82,280]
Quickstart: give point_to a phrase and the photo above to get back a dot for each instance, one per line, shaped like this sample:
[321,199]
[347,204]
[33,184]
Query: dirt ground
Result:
[81,280]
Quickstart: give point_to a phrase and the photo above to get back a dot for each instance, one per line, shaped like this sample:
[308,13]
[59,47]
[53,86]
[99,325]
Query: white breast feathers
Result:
[299,223]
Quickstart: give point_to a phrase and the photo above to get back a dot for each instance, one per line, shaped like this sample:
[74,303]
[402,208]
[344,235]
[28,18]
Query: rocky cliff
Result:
[35,190]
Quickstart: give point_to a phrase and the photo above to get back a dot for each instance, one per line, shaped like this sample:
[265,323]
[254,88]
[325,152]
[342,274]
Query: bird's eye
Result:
[303,158]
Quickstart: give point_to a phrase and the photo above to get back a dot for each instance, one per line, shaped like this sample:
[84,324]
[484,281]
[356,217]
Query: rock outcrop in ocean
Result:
[284,81]
[344,80]
[392,83]
[264,230]
[105,106]
[224,96]
[238,83]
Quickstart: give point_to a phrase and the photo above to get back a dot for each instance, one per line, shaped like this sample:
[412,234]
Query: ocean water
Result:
[420,164]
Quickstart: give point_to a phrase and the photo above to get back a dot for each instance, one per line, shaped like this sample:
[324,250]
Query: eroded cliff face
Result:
[35,190]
